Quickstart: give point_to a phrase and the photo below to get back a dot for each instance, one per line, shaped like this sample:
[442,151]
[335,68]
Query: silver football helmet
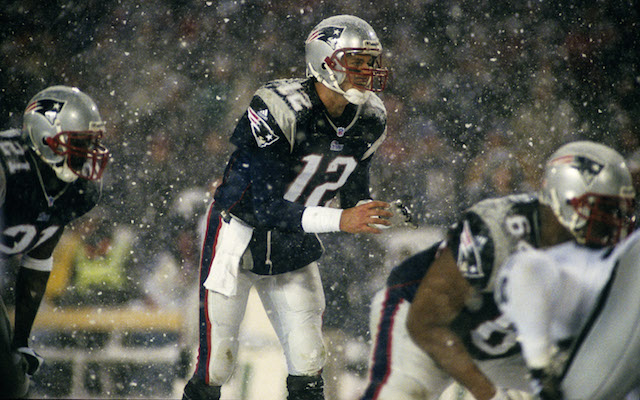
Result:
[63,126]
[325,51]
[589,188]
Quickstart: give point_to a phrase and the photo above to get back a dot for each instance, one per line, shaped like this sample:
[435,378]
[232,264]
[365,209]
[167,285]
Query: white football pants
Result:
[294,302]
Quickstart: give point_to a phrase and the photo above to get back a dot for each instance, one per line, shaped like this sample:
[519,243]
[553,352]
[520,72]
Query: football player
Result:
[436,322]
[550,295]
[300,144]
[51,172]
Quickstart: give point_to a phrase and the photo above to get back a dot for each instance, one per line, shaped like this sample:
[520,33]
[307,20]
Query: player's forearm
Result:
[445,349]
[30,288]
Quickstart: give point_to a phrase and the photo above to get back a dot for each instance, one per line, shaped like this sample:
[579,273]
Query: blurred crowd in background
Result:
[480,93]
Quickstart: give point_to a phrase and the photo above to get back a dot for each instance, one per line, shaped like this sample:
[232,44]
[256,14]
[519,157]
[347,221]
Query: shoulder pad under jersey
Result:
[286,99]
[374,107]
[375,115]
[13,153]
[503,222]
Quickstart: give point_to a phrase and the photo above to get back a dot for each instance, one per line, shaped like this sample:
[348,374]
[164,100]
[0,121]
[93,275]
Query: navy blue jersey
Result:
[480,242]
[29,217]
[290,155]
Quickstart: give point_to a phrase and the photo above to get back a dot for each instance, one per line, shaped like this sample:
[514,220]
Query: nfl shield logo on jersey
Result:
[262,132]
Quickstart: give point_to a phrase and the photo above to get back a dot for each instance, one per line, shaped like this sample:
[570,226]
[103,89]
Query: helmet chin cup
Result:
[357,97]
[64,173]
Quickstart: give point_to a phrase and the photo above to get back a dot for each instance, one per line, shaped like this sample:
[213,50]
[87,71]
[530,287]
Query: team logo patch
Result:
[49,108]
[262,132]
[328,34]
[469,253]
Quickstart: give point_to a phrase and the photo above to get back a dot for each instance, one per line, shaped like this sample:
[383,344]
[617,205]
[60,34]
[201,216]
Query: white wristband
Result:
[321,219]
[37,264]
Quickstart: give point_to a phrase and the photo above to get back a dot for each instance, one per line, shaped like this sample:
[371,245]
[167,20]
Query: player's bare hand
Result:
[363,218]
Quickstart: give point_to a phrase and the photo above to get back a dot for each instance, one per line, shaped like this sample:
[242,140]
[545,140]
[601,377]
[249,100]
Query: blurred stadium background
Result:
[481,92]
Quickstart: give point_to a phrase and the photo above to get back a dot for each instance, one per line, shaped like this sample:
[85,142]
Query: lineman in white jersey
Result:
[562,302]
[587,188]
[561,294]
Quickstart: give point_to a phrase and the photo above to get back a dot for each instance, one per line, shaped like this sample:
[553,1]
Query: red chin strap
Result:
[86,156]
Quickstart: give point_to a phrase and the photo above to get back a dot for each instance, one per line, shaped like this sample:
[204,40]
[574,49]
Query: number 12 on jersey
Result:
[311,168]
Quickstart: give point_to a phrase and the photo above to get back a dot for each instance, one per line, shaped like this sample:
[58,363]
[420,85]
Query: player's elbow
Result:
[269,219]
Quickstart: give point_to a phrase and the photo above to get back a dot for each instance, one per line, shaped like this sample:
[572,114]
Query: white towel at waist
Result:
[233,239]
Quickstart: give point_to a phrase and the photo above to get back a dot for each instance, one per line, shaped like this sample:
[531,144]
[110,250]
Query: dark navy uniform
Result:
[289,155]
[30,216]
[486,235]
[32,222]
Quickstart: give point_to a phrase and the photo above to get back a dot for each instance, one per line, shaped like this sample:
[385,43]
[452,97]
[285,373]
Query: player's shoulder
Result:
[502,213]
[510,213]
[10,134]
[12,143]
[489,231]
[13,152]
[506,205]
[291,95]
[374,108]
[278,106]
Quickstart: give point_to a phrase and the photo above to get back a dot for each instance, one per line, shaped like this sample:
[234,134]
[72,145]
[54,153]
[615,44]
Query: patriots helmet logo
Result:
[260,129]
[328,34]
[49,109]
[587,167]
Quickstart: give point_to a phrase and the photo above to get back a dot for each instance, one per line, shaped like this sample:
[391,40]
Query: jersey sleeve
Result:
[472,245]
[258,131]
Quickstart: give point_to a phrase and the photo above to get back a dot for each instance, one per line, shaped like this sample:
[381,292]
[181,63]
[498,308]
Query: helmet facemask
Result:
[371,77]
[83,153]
[605,220]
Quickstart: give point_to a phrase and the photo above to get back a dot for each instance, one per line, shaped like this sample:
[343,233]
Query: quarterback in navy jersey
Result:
[50,172]
[301,144]
[436,322]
